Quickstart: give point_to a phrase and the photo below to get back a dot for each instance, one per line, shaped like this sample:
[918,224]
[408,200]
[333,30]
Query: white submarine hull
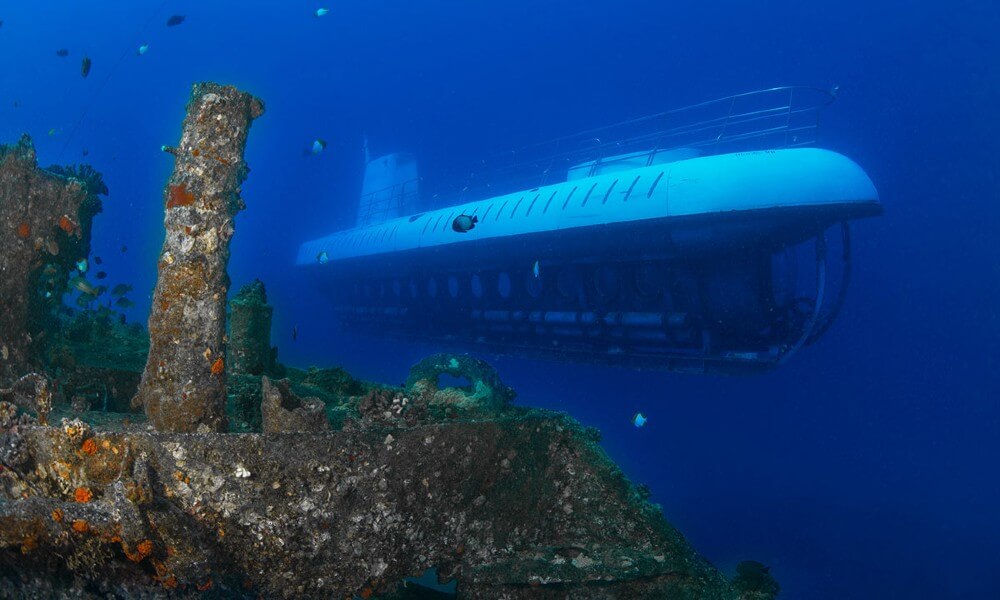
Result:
[671,265]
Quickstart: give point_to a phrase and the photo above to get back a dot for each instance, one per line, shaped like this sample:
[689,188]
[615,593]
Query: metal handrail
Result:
[767,119]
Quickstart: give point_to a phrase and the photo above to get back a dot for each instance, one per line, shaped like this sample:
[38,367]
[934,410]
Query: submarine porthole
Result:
[453,286]
[476,284]
[432,287]
[503,284]
[414,290]
[397,288]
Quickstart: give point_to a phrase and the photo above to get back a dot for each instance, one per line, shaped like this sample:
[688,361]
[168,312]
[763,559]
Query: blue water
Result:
[864,468]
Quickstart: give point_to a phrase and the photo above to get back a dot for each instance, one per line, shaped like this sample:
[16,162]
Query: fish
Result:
[751,567]
[81,284]
[83,300]
[464,223]
[124,303]
[98,260]
[295,332]
[121,289]
[85,66]
[175,20]
[323,257]
[318,146]
[81,265]
[101,275]
[639,419]
[322,12]
[62,53]
[142,49]
[124,248]
[85,152]
[535,270]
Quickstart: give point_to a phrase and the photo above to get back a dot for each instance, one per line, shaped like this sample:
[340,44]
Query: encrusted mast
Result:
[183,387]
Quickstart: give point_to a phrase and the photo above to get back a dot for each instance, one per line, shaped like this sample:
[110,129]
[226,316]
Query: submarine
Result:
[713,238]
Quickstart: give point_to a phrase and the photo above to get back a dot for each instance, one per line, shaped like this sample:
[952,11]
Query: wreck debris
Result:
[284,412]
[32,202]
[485,392]
[249,349]
[183,386]
[520,505]
[37,399]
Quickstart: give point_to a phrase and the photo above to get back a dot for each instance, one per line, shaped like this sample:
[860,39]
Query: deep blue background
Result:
[865,468]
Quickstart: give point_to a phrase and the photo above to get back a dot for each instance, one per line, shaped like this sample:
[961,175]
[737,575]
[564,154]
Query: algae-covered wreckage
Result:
[234,476]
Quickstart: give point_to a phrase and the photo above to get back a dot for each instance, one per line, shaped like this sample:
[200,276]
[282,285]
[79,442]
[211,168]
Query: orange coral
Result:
[144,549]
[204,587]
[196,152]
[179,196]
[170,582]
[57,515]
[80,526]
[66,224]
[29,543]
[366,592]
[218,366]
[89,446]
[83,494]
[23,230]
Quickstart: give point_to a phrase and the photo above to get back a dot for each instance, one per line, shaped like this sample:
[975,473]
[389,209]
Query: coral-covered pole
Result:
[183,387]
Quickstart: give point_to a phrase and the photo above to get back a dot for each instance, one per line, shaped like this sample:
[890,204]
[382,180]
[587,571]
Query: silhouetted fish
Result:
[464,223]
[295,333]
[124,303]
[101,275]
[121,289]
[62,53]
[98,260]
[175,20]
[124,248]
[85,66]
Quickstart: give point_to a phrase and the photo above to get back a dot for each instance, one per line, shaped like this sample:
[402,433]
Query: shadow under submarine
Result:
[698,239]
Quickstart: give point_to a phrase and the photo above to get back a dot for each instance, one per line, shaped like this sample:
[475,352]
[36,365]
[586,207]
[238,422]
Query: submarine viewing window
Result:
[414,290]
[631,187]
[533,285]
[453,286]
[551,198]
[532,205]
[432,287]
[514,210]
[503,284]
[589,192]
[608,193]
[649,194]
[476,285]
[397,288]
[568,198]
[607,283]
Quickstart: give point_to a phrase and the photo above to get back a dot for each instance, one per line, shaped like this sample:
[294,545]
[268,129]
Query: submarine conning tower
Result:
[712,238]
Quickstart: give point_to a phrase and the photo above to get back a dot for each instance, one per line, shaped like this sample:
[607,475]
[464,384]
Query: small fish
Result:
[535,269]
[121,289]
[52,132]
[101,289]
[142,49]
[85,66]
[464,223]
[752,569]
[81,265]
[85,152]
[84,300]
[323,257]
[124,248]
[48,294]
[62,53]
[295,332]
[83,286]
[322,12]
[124,303]
[639,419]
[318,146]
[101,275]
[175,20]
[98,260]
